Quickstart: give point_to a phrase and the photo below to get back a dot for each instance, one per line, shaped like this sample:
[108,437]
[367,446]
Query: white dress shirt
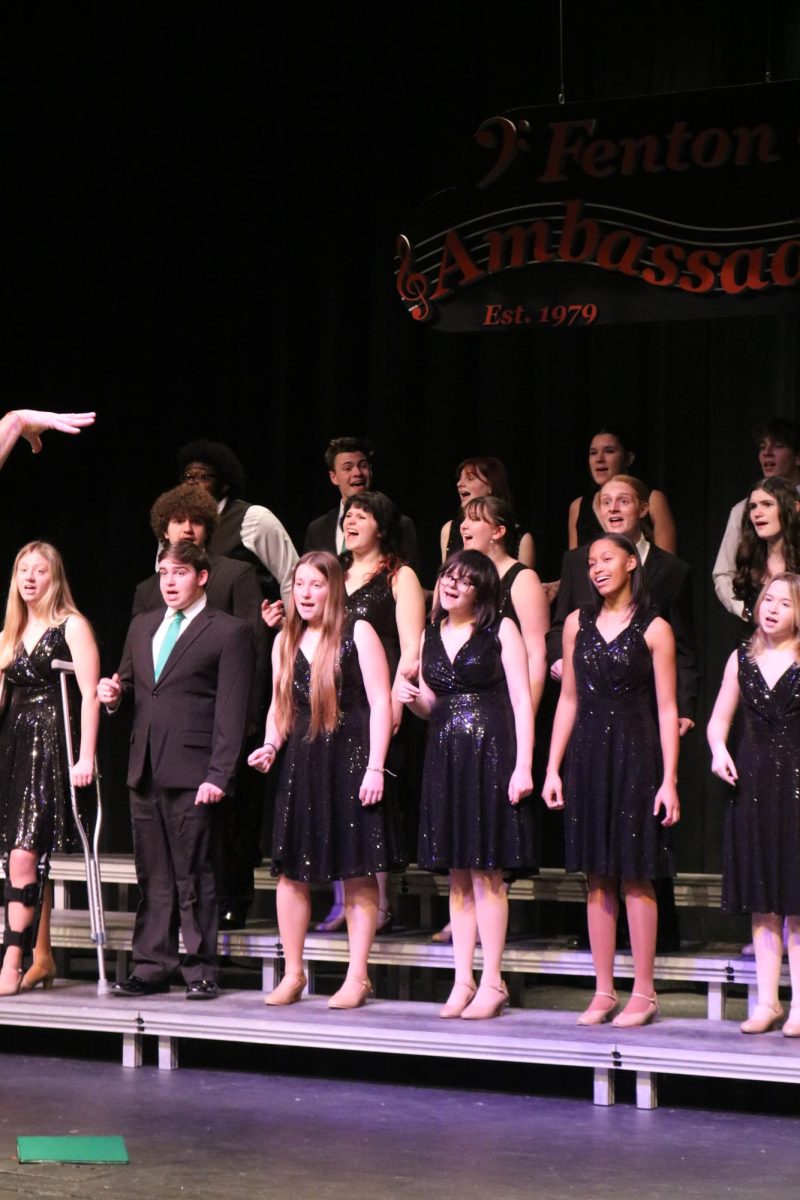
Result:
[189,615]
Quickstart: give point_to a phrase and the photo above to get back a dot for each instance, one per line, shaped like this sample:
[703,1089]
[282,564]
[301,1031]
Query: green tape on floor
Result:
[72,1149]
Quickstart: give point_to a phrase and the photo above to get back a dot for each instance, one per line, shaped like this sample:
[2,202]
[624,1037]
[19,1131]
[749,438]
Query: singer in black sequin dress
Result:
[617,725]
[613,767]
[34,773]
[321,830]
[761,862]
[475,818]
[35,808]
[331,709]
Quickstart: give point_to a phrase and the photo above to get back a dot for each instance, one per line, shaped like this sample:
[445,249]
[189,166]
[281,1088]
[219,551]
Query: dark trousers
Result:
[173,853]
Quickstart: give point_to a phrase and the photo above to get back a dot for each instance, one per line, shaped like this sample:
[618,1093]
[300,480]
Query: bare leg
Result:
[768,942]
[335,917]
[792,935]
[640,903]
[384,914]
[361,907]
[293,902]
[491,910]
[464,924]
[602,910]
[22,871]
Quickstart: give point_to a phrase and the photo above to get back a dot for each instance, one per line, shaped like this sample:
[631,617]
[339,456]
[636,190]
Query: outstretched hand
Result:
[34,424]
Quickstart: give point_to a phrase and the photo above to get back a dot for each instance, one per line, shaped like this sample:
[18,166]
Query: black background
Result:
[204,201]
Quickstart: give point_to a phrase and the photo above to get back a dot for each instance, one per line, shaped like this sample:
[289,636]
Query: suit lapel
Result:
[187,639]
[652,566]
[149,627]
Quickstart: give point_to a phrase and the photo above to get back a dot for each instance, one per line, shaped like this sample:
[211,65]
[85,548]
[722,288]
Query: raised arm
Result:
[530,604]
[719,725]
[86,659]
[661,642]
[264,535]
[725,564]
[375,673]
[515,666]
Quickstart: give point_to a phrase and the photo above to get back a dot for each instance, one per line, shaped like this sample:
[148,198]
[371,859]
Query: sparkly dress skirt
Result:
[761,855]
[321,830]
[466,819]
[613,767]
[34,773]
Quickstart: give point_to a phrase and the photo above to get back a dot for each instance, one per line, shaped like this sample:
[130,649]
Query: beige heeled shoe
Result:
[764,1018]
[352,994]
[599,1016]
[461,995]
[626,1020]
[792,1026]
[489,1002]
[289,991]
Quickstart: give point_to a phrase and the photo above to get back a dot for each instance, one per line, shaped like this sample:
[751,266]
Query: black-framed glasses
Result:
[198,476]
[461,583]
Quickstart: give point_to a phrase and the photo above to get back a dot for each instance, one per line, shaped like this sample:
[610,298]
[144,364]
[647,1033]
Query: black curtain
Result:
[204,206]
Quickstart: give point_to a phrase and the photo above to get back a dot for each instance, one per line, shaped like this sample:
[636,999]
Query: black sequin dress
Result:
[374,602]
[321,831]
[34,773]
[613,766]
[761,861]
[505,605]
[466,819]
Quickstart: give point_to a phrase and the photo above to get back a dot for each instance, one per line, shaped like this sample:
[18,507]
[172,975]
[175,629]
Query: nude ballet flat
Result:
[351,994]
[764,1018]
[289,990]
[599,1016]
[627,1020]
[460,996]
[489,1002]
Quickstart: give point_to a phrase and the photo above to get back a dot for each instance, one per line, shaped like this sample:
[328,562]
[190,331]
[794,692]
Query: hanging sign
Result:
[649,209]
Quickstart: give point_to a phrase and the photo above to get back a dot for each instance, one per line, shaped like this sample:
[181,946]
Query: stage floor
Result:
[219,1134]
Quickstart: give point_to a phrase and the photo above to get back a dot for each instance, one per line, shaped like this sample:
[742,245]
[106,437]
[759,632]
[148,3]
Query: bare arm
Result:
[530,605]
[719,725]
[264,757]
[665,534]
[661,642]
[515,665]
[527,550]
[86,659]
[375,673]
[30,424]
[416,696]
[410,617]
[572,523]
[564,722]
[444,538]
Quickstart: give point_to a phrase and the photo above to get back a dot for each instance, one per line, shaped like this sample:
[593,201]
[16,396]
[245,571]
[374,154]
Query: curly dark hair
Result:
[751,555]
[481,572]
[387,518]
[185,502]
[219,456]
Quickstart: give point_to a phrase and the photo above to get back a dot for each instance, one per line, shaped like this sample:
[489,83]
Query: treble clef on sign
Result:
[412,285]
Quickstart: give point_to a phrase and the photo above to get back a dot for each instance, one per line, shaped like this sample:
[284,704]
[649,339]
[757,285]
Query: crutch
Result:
[90,849]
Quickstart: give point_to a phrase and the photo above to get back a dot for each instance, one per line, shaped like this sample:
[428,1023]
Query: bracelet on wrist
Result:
[379,769]
[271,746]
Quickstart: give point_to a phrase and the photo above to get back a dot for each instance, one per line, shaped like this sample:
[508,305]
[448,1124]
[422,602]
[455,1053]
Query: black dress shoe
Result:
[135,986]
[233,917]
[202,989]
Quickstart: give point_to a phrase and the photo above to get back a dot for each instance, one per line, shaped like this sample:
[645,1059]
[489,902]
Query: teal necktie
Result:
[170,638]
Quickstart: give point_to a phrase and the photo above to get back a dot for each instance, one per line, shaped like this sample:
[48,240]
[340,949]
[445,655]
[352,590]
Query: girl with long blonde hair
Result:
[42,624]
[331,709]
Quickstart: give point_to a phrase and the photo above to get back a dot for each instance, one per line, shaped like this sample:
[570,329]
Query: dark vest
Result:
[227,541]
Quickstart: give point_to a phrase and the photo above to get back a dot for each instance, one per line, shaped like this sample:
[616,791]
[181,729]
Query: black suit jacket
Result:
[233,588]
[321,535]
[188,728]
[668,581]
